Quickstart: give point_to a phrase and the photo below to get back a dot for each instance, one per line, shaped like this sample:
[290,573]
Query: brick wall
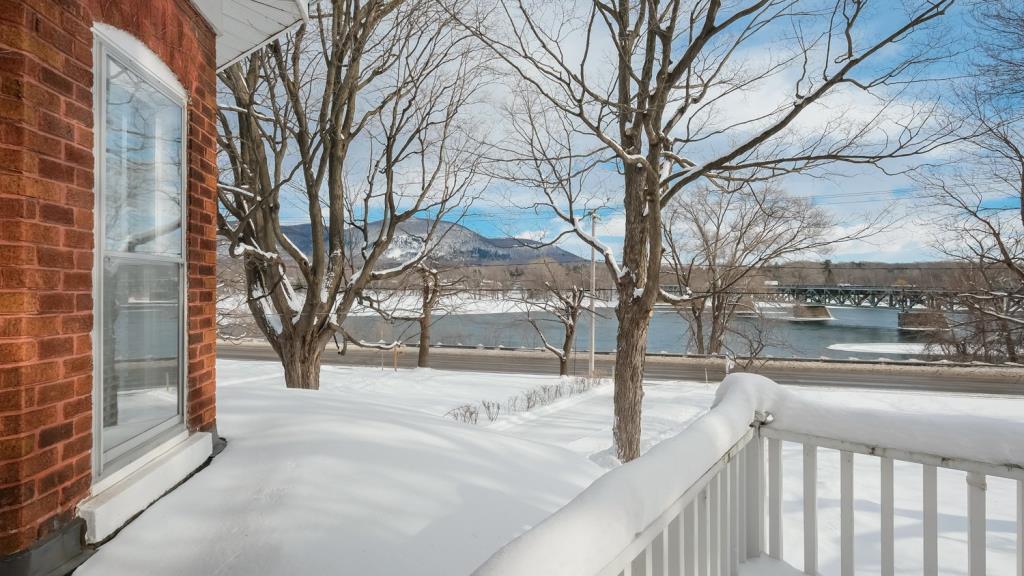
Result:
[46,242]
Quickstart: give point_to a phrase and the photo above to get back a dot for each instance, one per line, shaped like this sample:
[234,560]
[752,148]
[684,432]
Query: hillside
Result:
[456,245]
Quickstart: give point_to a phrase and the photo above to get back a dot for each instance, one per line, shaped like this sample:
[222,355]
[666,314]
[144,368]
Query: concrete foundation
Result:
[923,320]
[805,311]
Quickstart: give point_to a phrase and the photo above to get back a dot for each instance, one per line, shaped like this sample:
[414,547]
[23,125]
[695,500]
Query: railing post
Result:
[714,507]
[1020,527]
[689,530]
[775,498]
[726,520]
[846,527]
[887,528]
[734,517]
[976,487]
[702,532]
[931,521]
[755,496]
[810,509]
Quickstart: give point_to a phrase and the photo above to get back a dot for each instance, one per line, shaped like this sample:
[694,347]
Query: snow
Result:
[367,475]
[882,347]
[336,482]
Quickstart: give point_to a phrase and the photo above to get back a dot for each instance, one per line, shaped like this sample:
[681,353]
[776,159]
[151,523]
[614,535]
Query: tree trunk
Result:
[630,356]
[301,361]
[563,360]
[423,359]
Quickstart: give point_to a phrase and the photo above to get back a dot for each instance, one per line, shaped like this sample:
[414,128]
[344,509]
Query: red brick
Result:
[56,213]
[77,281]
[59,82]
[18,350]
[53,302]
[29,374]
[56,347]
[15,302]
[56,258]
[55,478]
[55,434]
[14,448]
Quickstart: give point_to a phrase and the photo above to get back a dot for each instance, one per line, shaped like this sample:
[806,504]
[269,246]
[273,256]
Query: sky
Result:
[851,194]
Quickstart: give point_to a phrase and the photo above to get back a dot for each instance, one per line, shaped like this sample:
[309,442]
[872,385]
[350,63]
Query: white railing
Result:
[710,499]
[976,485]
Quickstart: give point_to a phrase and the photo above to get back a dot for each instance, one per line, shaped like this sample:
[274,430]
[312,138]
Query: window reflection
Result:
[141,344]
[142,199]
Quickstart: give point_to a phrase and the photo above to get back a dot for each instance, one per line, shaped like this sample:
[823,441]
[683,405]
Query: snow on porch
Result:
[331,483]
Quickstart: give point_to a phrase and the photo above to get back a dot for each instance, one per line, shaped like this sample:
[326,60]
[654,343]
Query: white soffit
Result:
[245,25]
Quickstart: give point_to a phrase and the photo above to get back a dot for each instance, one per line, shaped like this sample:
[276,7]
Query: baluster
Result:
[888,534]
[723,525]
[714,508]
[976,487]
[846,512]
[662,553]
[702,532]
[689,539]
[649,560]
[755,497]
[741,511]
[1020,527]
[674,563]
[775,498]
[734,517]
[931,521]
[810,509]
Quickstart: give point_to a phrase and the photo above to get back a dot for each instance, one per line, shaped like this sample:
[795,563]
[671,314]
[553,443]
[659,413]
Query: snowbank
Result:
[590,531]
[882,347]
[328,483]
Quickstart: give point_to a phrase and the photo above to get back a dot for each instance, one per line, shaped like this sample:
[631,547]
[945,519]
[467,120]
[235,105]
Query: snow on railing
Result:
[696,504]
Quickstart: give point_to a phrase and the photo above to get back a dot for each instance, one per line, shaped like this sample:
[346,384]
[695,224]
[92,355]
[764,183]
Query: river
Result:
[669,332]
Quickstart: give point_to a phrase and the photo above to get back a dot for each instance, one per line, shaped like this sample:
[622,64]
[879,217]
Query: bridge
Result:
[902,297]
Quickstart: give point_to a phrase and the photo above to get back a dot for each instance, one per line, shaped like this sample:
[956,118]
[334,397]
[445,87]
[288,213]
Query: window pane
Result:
[141,347]
[142,166]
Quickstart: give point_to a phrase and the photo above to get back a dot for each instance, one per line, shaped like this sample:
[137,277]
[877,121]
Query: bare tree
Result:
[357,121]
[717,242]
[436,296]
[657,90]
[558,302]
[977,195]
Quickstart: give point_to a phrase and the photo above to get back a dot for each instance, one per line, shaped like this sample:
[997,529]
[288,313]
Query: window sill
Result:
[116,499]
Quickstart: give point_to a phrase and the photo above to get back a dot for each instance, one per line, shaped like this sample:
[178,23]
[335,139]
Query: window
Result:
[140,263]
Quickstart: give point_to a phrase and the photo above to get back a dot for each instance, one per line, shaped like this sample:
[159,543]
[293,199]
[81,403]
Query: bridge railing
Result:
[709,501]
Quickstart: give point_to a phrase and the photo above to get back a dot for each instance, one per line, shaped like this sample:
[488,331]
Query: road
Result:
[990,380]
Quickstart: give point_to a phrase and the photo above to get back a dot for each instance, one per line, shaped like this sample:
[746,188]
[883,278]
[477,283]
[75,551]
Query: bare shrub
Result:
[466,413]
[492,409]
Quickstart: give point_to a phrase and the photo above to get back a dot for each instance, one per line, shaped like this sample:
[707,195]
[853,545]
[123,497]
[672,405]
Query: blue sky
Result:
[851,194]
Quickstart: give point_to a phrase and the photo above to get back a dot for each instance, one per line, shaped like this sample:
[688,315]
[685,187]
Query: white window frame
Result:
[133,55]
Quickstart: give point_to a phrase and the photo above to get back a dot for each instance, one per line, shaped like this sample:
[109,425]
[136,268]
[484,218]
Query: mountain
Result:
[455,245]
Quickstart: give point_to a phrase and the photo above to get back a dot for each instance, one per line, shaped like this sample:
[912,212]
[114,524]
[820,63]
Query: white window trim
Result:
[136,56]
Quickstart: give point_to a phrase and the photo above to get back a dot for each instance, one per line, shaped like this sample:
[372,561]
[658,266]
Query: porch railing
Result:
[657,517]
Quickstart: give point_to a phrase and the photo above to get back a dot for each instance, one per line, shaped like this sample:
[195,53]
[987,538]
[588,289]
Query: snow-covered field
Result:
[368,476]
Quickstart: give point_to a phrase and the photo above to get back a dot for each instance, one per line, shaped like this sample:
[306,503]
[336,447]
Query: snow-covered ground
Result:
[368,476]
[883,347]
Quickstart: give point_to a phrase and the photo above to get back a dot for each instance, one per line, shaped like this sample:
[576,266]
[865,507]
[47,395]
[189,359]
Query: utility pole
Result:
[593,290]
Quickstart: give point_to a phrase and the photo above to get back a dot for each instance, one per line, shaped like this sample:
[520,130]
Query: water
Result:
[668,333]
